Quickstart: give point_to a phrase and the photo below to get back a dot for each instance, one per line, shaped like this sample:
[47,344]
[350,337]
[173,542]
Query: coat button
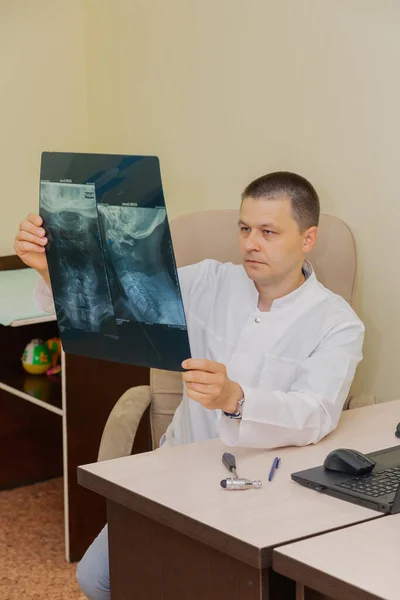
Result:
[257,319]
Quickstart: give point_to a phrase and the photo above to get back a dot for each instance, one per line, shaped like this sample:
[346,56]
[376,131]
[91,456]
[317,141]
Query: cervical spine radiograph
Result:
[106,250]
[79,279]
[111,261]
[141,286]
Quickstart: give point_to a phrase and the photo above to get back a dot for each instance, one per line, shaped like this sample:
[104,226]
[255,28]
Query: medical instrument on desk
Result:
[229,462]
[240,484]
[275,465]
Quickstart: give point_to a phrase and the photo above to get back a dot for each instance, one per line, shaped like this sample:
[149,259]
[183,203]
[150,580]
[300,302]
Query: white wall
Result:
[224,91]
[43,103]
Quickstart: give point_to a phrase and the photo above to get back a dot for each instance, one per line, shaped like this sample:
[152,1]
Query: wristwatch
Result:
[238,413]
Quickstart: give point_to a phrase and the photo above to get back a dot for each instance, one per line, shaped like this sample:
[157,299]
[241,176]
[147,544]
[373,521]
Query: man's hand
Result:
[29,245]
[207,383]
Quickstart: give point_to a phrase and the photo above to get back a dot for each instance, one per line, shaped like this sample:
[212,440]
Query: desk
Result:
[360,562]
[175,533]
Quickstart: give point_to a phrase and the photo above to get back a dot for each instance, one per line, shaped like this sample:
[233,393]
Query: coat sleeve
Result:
[43,296]
[313,405]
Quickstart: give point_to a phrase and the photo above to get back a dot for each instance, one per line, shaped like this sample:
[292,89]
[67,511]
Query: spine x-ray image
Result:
[111,260]
[83,299]
[142,288]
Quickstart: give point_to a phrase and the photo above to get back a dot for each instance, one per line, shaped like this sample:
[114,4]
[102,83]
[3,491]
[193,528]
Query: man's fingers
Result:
[203,388]
[202,364]
[35,219]
[27,225]
[25,236]
[23,247]
[199,377]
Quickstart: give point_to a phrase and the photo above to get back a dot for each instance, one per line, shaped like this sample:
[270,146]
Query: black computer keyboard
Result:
[375,483]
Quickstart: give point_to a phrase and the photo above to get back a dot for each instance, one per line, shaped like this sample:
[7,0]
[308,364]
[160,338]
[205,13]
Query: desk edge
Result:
[259,558]
[318,580]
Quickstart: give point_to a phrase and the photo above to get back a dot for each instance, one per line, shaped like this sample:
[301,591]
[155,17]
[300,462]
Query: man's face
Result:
[271,243]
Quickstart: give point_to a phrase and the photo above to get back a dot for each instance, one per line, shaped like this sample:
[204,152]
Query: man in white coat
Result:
[274,351]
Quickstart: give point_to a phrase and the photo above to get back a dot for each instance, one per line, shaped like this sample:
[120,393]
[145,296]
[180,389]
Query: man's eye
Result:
[268,232]
[244,229]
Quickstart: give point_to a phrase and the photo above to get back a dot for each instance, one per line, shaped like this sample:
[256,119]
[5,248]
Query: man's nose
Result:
[252,243]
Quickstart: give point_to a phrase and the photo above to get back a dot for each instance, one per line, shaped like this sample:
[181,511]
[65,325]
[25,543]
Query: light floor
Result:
[32,563]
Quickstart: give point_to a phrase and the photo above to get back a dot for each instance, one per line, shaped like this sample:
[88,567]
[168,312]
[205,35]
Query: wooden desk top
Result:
[357,562]
[180,487]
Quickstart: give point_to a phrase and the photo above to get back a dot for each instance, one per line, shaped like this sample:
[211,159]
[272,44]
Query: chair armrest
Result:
[360,400]
[120,430]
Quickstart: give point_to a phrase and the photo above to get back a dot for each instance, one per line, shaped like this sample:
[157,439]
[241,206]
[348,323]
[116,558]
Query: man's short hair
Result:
[302,195]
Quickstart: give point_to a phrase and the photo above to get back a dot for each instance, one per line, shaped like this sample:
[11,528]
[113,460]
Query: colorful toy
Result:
[36,358]
[54,345]
[54,370]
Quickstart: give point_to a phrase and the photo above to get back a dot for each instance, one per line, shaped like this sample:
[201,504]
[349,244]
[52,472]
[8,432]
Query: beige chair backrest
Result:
[214,234]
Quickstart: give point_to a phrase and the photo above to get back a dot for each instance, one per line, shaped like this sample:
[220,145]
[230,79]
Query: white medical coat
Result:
[295,363]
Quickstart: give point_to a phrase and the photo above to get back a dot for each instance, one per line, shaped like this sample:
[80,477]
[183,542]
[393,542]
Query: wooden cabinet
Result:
[48,427]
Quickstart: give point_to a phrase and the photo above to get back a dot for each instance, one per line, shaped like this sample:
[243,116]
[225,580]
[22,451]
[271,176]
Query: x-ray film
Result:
[111,261]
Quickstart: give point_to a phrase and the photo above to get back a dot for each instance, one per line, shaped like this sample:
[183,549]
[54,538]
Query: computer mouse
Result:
[348,461]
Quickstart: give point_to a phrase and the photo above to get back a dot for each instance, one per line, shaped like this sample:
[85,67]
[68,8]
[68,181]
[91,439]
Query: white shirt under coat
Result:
[295,363]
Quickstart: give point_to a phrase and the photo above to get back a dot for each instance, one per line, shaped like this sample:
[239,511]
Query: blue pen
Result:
[275,465]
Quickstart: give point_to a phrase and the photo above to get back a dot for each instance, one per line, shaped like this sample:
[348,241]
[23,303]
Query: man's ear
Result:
[310,238]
